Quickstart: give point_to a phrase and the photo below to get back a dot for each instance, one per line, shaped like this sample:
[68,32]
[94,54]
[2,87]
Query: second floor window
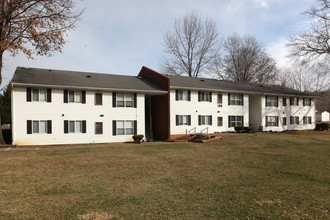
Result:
[307,102]
[38,95]
[124,100]
[284,101]
[98,99]
[219,100]
[182,95]
[235,99]
[271,101]
[74,96]
[294,101]
[205,96]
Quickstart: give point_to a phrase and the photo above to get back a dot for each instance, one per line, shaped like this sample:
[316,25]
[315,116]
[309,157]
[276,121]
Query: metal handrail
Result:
[192,131]
[206,133]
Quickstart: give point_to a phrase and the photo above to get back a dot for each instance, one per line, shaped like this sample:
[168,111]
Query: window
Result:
[98,127]
[284,101]
[271,101]
[38,95]
[294,120]
[235,120]
[294,101]
[98,98]
[182,95]
[220,122]
[284,121]
[71,96]
[219,100]
[235,99]
[39,127]
[307,102]
[204,96]
[124,99]
[307,120]
[125,127]
[271,121]
[75,126]
[183,119]
[204,119]
[75,96]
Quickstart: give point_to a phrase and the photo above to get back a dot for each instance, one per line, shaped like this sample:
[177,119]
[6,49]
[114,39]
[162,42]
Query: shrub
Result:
[324,126]
[247,129]
[239,128]
[318,127]
[137,138]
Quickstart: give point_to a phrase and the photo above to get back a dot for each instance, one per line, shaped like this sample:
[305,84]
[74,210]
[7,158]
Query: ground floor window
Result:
[235,120]
[220,121]
[183,119]
[74,126]
[39,127]
[284,121]
[307,120]
[98,127]
[271,121]
[294,120]
[124,127]
[204,119]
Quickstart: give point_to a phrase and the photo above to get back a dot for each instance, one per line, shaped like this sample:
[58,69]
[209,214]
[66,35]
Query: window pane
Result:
[35,94]
[42,95]
[98,98]
[98,128]
[71,96]
[129,103]
[35,126]
[184,120]
[78,127]
[185,95]
[43,127]
[77,97]
[71,126]
[120,99]
[219,121]
[129,125]
[120,131]
[120,124]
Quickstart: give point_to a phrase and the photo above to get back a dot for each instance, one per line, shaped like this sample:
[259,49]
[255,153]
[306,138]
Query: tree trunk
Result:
[1,137]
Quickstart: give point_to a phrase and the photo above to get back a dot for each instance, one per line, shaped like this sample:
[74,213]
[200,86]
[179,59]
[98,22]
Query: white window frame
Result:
[76,128]
[37,94]
[219,100]
[272,121]
[37,127]
[123,128]
[205,96]
[206,119]
[238,120]
[183,95]
[74,96]
[220,119]
[127,100]
[271,101]
[236,99]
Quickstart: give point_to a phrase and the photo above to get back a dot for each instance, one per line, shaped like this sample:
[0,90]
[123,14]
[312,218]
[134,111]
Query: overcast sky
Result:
[121,36]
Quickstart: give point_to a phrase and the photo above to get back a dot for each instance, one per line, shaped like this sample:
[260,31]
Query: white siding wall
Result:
[287,111]
[23,111]
[195,108]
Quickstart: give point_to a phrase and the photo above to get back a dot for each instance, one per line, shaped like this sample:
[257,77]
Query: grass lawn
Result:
[245,176]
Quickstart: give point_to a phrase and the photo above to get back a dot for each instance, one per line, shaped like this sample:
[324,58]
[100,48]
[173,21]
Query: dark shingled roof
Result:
[71,79]
[221,85]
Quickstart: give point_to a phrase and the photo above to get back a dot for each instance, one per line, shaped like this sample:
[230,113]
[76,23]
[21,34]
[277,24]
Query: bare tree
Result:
[306,77]
[246,60]
[34,27]
[191,46]
[315,42]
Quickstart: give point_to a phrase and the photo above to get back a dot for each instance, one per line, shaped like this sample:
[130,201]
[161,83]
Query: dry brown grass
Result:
[242,176]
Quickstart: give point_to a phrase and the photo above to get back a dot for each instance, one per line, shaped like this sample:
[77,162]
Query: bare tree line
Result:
[196,48]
